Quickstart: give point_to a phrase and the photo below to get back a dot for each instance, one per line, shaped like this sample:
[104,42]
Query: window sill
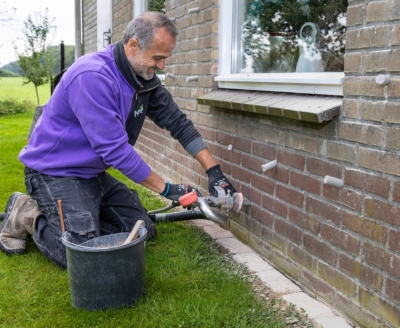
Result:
[162,78]
[311,83]
[308,108]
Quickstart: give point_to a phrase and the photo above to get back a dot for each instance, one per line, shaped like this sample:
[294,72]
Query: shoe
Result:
[20,216]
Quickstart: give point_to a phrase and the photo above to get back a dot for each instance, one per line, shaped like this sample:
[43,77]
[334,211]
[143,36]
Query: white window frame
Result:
[139,6]
[329,83]
[104,21]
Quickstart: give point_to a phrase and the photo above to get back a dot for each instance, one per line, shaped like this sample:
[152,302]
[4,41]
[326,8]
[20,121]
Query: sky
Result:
[61,10]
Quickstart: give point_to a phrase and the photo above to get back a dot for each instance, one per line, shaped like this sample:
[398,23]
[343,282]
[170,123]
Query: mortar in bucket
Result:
[103,273]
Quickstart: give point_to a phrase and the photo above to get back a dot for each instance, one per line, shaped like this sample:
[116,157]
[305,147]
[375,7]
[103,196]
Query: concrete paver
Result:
[272,278]
[253,261]
[278,283]
[234,246]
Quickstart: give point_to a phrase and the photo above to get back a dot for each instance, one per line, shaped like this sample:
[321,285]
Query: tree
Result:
[36,65]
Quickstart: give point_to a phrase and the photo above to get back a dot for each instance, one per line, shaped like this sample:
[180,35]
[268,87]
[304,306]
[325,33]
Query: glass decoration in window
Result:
[283,36]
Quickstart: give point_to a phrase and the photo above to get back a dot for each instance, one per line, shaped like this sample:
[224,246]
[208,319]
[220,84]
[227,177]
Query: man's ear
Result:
[133,46]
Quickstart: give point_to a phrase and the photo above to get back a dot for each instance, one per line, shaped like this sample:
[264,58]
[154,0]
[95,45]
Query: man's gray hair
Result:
[143,28]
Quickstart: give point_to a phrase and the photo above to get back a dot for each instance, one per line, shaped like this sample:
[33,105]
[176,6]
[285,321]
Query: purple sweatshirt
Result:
[82,130]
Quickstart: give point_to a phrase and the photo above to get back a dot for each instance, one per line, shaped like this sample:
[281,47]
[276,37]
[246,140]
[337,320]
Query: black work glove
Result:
[217,178]
[174,191]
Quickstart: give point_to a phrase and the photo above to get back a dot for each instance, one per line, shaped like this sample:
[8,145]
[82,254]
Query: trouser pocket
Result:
[81,226]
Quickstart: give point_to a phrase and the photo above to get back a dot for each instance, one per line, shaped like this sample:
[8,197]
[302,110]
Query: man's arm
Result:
[205,159]
[154,182]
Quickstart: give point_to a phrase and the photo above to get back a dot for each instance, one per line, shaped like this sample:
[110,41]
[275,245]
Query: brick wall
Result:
[89,25]
[341,245]
[121,16]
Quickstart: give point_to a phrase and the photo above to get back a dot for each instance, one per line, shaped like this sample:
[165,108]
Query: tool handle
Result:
[134,233]
[61,216]
[188,199]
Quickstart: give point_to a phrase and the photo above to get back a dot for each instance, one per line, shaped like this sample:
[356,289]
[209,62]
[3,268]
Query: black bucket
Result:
[104,274]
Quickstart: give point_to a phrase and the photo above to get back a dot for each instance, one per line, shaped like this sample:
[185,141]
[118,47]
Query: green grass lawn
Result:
[189,282]
[12,88]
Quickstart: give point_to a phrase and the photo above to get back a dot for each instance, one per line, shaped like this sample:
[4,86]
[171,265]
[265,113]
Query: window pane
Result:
[157,5]
[277,36]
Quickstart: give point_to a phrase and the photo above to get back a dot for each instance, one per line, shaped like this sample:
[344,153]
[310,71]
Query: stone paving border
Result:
[272,278]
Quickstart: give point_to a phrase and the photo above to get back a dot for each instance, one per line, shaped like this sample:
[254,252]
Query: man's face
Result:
[145,62]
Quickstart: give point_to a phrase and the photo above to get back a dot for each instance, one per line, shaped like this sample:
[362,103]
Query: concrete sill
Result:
[302,107]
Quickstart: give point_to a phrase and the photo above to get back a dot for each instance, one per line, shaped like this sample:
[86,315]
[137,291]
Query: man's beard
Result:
[141,70]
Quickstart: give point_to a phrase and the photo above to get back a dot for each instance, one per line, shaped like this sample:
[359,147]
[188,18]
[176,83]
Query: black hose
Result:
[177,216]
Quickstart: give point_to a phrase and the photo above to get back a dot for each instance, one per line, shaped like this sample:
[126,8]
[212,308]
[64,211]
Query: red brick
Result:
[270,203]
[383,211]
[288,230]
[241,144]
[262,216]
[241,174]
[352,308]
[251,194]
[394,241]
[301,256]
[378,305]
[393,289]
[304,220]
[278,173]
[323,209]
[273,238]
[305,182]
[290,195]
[319,286]
[367,228]
[264,150]
[396,191]
[368,182]
[382,259]
[230,155]
[337,279]
[361,271]
[251,163]
[294,160]
[340,238]
[344,196]
[320,167]
[207,134]
[262,183]
[320,249]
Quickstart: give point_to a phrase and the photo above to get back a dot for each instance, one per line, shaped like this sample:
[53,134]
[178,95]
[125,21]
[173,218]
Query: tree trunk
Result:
[37,95]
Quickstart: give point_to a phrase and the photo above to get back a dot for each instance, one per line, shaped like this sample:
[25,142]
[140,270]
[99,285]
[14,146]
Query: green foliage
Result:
[54,52]
[157,5]
[12,106]
[7,73]
[35,64]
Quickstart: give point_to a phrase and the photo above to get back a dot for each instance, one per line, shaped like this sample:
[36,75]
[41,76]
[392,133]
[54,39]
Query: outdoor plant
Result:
[11,106]
[36,66]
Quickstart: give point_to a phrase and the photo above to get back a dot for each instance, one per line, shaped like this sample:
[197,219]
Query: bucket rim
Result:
[88,249]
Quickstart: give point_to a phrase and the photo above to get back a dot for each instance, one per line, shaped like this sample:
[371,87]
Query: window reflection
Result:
[277,36]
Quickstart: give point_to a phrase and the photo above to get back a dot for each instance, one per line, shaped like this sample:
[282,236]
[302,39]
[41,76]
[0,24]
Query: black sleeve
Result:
[165,113]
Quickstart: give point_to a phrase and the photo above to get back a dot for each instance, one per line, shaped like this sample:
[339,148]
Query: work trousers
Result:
[91,208]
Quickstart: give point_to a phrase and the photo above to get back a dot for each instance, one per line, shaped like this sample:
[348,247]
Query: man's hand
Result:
[217,178]
[175,191]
